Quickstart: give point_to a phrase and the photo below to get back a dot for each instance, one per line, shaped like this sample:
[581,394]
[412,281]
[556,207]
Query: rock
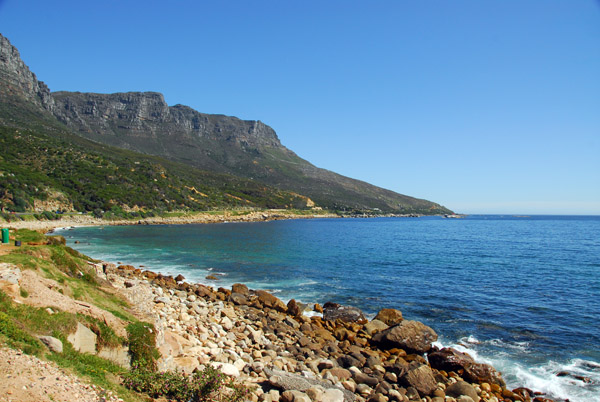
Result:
[449,359]
[118,355]
[268,300]
[83,339]
[412,336]
[341,373]
[55,345]
[238,299]
[362,378]
[317,308]
[421,378]
[334,311]
[333,395]
[294,396]
[161,299]
[179,278]
[293,309]
[462,388]
[240,288]
[389,316]
[211,278]
[375,326]
[287,381]
[226,368]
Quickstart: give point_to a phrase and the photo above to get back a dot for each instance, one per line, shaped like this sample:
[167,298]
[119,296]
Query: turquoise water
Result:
[518,292]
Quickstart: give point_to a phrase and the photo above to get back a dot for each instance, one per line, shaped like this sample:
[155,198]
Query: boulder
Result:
[119,355]
[462,388]
[389,316]
[238,298]
[226,368]
[449,359]
[55,345]
[293,309]
[375,326]
[83,339]
[287,381]
[412,336]
[240,288]
[334,311]
[270,301]
[421,378]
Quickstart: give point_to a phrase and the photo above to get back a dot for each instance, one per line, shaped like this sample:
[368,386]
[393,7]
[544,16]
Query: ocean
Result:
[519,292]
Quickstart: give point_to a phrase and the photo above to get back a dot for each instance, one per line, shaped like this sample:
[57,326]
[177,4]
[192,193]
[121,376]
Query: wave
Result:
[577,380]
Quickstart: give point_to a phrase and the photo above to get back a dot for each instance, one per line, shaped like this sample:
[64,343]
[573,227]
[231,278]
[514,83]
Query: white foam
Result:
[542,377]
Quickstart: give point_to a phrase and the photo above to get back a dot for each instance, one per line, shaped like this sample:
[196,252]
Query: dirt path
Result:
[25,378]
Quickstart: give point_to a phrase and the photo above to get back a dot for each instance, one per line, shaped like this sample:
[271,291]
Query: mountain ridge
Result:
[143,122]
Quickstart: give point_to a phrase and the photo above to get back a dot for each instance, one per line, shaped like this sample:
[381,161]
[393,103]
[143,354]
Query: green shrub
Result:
[209,384]
[142,344]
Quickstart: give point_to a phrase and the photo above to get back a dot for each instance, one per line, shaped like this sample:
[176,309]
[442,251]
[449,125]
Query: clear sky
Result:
[482,106]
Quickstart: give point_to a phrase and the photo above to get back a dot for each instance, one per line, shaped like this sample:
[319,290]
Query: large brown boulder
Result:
[390,316]
[240,288]
[335,311]
[449,359]
[270,301]
[421,378]
[412,336]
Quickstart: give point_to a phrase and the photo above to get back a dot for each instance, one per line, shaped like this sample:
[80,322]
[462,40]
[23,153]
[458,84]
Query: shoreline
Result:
[176,295]
[192,218]
[362,357]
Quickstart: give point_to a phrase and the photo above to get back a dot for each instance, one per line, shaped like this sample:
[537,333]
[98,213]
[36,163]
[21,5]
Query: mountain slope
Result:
[143,122]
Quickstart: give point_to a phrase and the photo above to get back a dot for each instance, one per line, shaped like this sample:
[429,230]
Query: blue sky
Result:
[482,106]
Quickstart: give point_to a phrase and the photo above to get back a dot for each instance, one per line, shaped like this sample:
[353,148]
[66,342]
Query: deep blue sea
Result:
[521,293]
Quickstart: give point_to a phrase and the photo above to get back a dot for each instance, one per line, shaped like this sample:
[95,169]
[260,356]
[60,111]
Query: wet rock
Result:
[462,388]
[412,336]
[335,311]
[449,359]
[420,378]
[179,278]
[389,316]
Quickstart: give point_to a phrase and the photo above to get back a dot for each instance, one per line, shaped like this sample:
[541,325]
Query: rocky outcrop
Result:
[16,80]
[450,359]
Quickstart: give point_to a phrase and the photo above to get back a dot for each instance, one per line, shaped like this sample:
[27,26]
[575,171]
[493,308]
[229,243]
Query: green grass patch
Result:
[26,235]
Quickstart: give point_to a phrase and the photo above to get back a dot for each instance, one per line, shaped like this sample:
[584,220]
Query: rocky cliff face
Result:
[18,81]
[146,115]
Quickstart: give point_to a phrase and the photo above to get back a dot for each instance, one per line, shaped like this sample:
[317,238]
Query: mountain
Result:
[143,122]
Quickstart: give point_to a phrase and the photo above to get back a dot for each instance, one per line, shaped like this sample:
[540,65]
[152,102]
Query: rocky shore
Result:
[191,218]
[286,355]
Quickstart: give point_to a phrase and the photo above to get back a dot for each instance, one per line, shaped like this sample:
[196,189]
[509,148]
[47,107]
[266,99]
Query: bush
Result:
[209,384]
[142,345]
